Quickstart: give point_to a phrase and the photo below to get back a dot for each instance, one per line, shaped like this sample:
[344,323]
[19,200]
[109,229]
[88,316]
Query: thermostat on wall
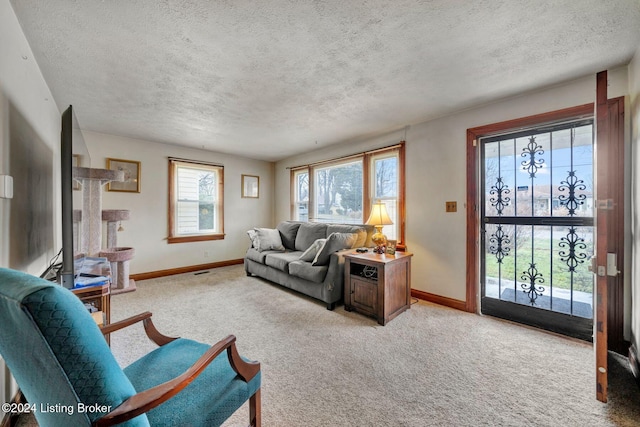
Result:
[6,186]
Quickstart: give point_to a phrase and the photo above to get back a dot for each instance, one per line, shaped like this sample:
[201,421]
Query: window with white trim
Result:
[195,201]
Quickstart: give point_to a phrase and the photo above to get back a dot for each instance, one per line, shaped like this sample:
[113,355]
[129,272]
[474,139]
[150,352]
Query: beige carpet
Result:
[431,366]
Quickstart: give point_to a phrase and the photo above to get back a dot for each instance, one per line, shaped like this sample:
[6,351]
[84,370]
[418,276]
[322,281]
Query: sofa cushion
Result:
[288,231]
[269,239]
[335,242]
[308,233]
[305,270]
[310,254]
[361,230]
[281,260]
[257,256]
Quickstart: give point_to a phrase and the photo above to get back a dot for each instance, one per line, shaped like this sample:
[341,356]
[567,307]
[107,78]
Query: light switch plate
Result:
[6,187]
[451,206]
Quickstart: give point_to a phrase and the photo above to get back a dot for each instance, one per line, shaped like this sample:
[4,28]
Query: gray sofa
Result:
[305,256]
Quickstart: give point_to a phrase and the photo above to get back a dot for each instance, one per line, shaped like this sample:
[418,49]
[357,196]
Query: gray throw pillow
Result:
[361,238]
[310,254]
[308,233]
[269,239]
[335,242]
[349,228]
[288,231]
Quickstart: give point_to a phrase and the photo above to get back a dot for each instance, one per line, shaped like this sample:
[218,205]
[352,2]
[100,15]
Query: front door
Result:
[537,226]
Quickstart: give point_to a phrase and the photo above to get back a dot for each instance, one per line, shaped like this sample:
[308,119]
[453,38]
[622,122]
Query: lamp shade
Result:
[379,215]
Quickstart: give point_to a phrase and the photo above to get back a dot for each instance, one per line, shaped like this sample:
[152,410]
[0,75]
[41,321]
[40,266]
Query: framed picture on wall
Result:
[131,169]
[250,186]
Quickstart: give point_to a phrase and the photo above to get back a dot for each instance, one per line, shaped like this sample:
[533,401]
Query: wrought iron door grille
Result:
[537,215]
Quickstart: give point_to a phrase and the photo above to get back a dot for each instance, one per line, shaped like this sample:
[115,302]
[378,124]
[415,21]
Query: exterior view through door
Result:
[537,227]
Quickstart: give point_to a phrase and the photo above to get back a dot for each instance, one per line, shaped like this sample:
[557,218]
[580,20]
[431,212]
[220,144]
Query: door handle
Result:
[611,268]
[593,267]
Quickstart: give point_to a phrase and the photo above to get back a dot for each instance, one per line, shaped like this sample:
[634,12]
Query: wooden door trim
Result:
[615,235]
[603,197]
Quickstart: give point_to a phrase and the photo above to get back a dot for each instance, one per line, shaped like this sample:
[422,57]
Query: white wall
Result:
[146,231]
[634,100]
[23,88]
[436,173]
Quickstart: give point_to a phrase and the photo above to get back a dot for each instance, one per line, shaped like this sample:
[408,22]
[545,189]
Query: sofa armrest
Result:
[340,254]
[337,259]
[335,273]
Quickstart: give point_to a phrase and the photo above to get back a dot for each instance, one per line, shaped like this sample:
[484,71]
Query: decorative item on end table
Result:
[391,247]
[379,218]
[369,272]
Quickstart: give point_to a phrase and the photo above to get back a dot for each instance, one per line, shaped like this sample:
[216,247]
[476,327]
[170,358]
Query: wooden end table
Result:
[378,285]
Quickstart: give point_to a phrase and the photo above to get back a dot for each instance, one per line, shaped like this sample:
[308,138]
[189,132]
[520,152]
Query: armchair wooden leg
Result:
[255,405]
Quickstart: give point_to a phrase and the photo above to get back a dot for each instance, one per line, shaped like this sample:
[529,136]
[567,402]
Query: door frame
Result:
[615,306]
[473,184]
[604,203]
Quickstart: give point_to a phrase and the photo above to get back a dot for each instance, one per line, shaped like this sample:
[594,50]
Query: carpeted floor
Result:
[431,366]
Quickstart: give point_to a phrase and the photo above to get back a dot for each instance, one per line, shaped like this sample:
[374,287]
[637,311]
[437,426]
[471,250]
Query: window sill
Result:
[195,238]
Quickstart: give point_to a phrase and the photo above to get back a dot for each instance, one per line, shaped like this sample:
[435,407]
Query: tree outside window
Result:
[385,189]
[301,195]
[339,193]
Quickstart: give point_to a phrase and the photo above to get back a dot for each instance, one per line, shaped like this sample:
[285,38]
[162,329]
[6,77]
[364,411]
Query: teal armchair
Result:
[69,377]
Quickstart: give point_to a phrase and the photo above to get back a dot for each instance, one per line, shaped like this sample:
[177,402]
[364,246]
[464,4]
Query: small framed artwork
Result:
[391,247]
[131,169]
[250,186]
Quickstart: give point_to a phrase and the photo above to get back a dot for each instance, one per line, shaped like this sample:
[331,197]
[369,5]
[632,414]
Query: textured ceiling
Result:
[269,79]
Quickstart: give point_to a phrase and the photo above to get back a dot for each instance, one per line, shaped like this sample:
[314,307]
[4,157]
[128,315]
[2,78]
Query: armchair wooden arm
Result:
[150,329]
[112,327]
[148,399]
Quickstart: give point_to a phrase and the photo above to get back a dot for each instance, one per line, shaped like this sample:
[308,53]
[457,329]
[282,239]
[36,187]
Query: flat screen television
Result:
[73,153]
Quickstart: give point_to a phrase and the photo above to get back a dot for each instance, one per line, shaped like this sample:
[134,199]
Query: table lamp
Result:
[379,218]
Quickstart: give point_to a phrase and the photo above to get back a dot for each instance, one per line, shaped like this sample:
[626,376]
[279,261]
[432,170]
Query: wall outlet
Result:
[451,206]
[206,254]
